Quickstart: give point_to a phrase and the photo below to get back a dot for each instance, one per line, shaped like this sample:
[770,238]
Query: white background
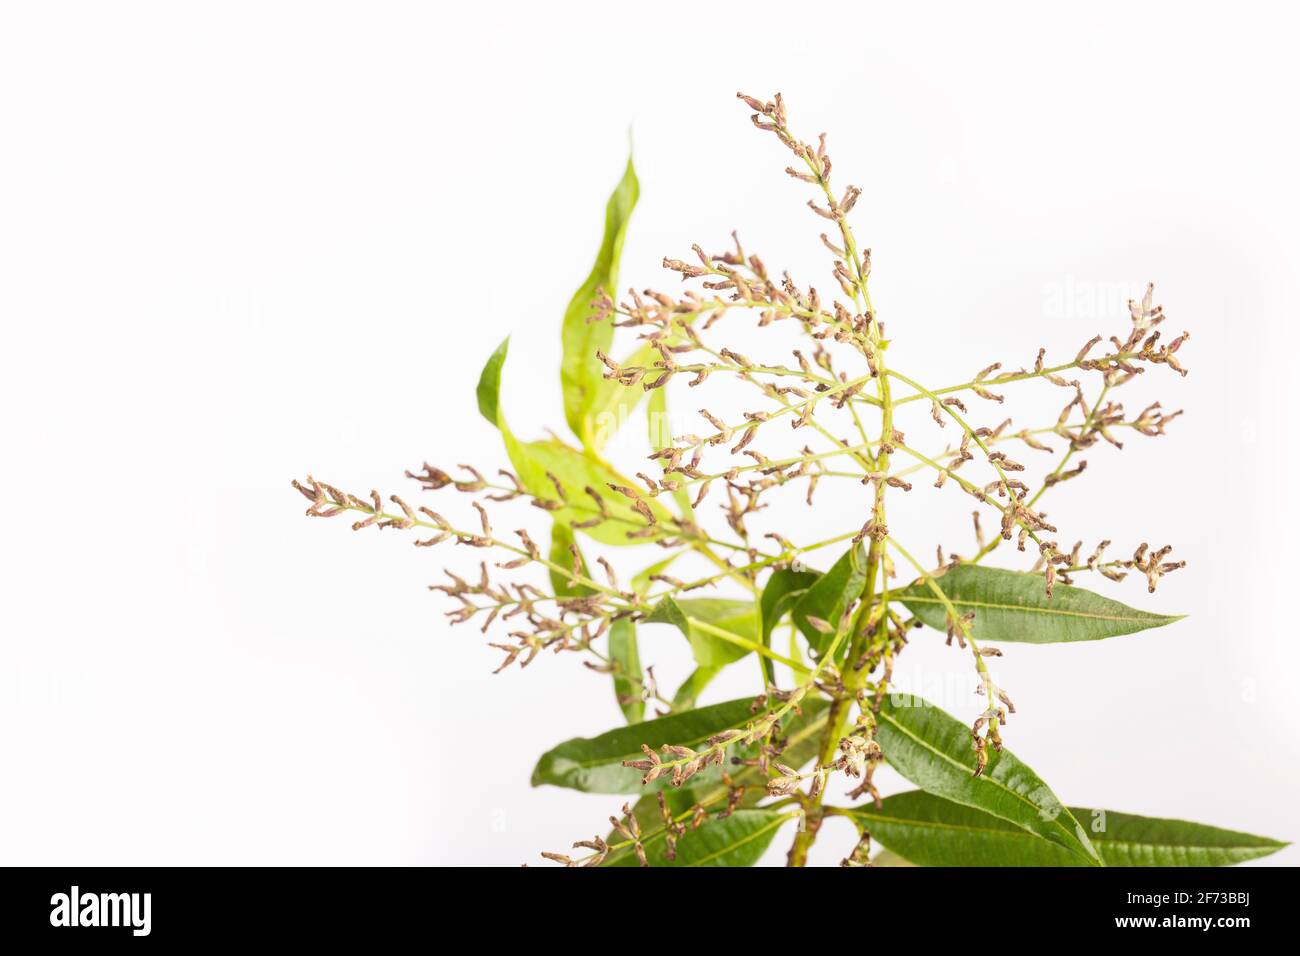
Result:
[242,242]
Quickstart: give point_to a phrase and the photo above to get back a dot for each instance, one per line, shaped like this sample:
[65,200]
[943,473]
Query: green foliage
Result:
[801,735]
[736,840]
[1011,606]
[688,694]
[586,393]
[783,590]
[929,831]
[541,464]
[563,546]
[818,611]
[933,750]
[625,655]
[595,764]
[720,631]
[730,775]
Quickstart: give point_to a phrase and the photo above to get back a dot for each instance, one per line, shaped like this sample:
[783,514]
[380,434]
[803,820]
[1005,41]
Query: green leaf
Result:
[801,734]
[802,738]
[626,657]
[581,373]
[535,463]
[1125,839]
[827,598]
[615,403]
[1013,606]
[641,580]
[577,472]
[930,831]
[594,764]
[739,619]
[561,541]
[660,438]
[782,590]
[689,693]
[890,858]
[933,750]
[737,840]
[489,382]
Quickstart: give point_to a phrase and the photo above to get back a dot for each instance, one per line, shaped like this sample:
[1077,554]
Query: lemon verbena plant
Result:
[717,513]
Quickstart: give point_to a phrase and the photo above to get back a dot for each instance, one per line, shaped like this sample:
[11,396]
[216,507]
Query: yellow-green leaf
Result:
[540,464]
[688,694]
[562,541]
[625,655]
[661,437]
[581,373]
[720,630]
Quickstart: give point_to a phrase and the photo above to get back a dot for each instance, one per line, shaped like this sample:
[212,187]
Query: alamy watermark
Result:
[75,908]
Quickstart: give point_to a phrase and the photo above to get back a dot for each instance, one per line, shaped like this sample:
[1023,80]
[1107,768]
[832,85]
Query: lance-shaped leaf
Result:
[1125,839]
[720,630]
[661,437]
[641,580]
[736,840]
[823,604]
[615,403]
[688,693]
[801,736]
[595,764]
[782,591]
[563,547]
[489,382]
[541,464]
[930,831]
[1014,606]
[581,373]
[626,658]
[933,750]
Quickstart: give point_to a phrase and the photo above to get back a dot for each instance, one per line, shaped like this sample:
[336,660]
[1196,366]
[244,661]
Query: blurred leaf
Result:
[1013,606]
[829,595]
[594,764]
[933,750]
[626,657]
[614,403]
[930,831]
[739,618]
[576,473]
[561,541]
[581,373]
[737,840]
[641,580]
[489,382]
[693,686]
[660,438]
[890,858]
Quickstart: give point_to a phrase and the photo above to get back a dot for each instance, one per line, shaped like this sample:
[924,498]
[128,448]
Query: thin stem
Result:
[1011,377]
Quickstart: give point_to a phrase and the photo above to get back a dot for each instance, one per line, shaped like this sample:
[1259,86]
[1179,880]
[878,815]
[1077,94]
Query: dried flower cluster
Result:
[700,497]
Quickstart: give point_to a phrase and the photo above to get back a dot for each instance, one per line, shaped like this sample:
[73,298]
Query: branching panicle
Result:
[705,501]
